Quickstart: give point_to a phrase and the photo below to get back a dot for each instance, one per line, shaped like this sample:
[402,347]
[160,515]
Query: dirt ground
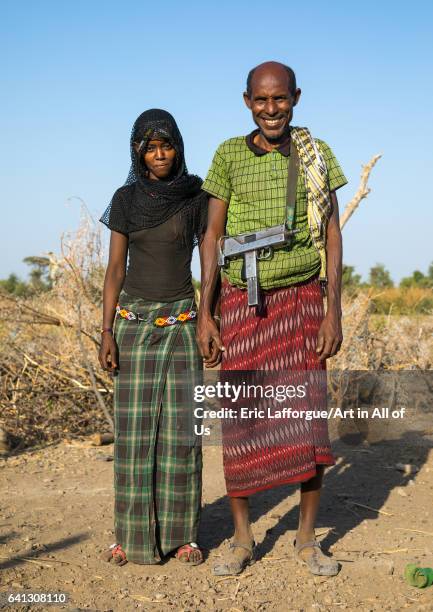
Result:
[57,515]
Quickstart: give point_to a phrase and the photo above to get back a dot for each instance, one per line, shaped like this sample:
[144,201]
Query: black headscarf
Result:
[144,203]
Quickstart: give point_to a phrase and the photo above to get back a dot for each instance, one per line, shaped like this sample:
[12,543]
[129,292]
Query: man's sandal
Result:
[183,554]
[232,566]
[115,554]
[318,563]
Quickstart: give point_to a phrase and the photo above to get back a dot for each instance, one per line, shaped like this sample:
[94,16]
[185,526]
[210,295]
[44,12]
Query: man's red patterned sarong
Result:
[261,453]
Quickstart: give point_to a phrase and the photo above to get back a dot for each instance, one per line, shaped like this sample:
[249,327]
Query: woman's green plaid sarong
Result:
[157,467]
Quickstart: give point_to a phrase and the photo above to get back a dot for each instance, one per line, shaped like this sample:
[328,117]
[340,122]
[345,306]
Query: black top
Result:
[159,264]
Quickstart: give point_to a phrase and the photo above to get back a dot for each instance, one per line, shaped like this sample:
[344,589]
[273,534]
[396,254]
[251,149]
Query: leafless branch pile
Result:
[51,384]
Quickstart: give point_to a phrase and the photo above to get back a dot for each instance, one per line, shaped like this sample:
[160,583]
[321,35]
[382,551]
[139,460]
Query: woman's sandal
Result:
[318,563]
[232,566]
[115,554]
[183,554]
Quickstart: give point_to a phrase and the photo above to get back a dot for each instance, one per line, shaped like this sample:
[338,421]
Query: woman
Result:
[156,218]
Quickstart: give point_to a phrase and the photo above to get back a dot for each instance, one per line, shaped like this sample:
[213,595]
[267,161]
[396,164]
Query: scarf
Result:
[144,203]
[318,196]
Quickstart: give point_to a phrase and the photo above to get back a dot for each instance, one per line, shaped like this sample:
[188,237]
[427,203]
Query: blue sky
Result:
[75,76]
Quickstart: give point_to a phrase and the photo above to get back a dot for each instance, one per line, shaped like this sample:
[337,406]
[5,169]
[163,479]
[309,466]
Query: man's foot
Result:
[236,559]
[190,554]
[309,553]
[115,554]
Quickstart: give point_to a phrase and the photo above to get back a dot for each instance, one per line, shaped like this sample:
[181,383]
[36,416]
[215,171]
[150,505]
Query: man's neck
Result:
[270,145]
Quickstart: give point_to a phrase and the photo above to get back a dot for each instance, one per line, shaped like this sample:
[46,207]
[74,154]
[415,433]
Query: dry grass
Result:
[374,341]
[49,347]
[405,301]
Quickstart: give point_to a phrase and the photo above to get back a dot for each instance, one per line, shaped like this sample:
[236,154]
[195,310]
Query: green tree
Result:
[418,279]
[380,277]
[349,279]
[39,278]
[14,285]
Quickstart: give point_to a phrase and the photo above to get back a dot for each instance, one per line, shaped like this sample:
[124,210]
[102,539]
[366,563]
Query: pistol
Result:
[253,246]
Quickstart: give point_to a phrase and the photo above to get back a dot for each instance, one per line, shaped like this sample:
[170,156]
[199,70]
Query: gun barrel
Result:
[237,245]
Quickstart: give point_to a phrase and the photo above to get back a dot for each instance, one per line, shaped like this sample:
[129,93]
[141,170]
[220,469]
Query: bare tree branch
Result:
[362,192]
[44,318]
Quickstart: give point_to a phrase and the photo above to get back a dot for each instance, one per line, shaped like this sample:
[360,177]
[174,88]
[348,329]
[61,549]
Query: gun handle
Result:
[250,264]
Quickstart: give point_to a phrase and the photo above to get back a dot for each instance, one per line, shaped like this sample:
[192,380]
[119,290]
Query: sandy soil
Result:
[57,513]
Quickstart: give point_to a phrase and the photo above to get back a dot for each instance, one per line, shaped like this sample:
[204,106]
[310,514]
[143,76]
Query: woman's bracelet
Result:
[106,329]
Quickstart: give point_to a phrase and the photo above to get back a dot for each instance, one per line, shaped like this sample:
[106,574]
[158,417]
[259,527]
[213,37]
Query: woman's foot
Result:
[190,554]
[238,557]
[115,554]
[308,552]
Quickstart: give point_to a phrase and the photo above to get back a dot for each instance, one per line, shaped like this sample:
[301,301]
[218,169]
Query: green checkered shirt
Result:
[254,184]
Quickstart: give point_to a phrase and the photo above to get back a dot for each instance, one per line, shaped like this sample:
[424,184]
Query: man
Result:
[249,183]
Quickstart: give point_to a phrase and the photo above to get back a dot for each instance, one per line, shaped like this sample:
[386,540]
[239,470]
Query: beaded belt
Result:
[183,317]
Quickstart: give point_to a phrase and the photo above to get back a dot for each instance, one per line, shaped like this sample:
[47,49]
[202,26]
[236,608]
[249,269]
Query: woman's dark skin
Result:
[159,158]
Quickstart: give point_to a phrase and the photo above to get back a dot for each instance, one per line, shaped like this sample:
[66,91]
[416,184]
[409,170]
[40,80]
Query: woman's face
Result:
[159,156]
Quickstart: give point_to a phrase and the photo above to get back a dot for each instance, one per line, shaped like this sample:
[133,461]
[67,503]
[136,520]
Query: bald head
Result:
[274,69]
[271,95]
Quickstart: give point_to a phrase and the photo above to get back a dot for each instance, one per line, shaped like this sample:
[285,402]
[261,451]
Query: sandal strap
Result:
[247,548]
[189,547]
[312,544]
[117,550]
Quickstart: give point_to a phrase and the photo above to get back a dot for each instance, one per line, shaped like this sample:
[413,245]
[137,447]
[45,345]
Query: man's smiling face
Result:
[271,100]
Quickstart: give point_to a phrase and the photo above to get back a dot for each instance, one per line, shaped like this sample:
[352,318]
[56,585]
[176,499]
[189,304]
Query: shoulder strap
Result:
[292,182]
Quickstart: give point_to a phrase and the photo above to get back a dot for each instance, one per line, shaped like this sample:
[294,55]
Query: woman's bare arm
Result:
[113,283]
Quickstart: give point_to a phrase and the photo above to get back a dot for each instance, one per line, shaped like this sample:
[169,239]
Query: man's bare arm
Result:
[208,337]
[330,333]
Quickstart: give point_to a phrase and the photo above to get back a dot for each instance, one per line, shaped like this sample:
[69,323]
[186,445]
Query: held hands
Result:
[108,353]
[330,336]
[209,341]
